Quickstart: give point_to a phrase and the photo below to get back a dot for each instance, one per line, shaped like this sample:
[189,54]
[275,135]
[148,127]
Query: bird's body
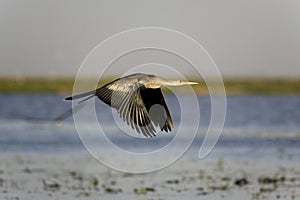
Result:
[138,99]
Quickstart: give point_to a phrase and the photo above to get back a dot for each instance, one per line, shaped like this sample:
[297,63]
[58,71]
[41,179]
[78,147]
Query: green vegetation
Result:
[40,84]
[65,85]
[31,85]
[263,86]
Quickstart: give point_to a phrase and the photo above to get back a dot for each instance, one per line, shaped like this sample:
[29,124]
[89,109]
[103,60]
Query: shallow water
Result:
[256,126]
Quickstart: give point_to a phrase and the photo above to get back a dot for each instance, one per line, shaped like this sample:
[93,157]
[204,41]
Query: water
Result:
[256,126]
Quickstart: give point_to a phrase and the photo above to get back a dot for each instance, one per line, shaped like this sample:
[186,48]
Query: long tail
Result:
[88,94]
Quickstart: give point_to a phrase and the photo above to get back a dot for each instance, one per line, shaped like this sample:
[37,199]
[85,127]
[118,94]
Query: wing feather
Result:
[126,99]
[133,102]
[161,118]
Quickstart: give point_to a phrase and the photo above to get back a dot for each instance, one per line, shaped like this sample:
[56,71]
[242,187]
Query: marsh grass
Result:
[65,85]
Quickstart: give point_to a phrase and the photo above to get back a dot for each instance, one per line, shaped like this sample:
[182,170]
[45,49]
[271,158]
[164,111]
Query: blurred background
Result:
[254,43]
[245,38]
[43,43]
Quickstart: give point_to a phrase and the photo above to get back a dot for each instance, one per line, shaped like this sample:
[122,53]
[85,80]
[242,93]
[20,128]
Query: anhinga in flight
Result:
[133,97]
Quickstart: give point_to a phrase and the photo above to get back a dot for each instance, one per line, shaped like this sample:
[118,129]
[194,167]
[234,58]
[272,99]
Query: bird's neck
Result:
[152,85]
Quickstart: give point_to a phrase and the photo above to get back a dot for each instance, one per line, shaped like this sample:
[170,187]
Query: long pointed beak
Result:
[192,83]
[188,83]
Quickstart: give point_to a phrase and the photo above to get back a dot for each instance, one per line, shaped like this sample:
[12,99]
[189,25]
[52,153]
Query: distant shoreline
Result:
[232,85]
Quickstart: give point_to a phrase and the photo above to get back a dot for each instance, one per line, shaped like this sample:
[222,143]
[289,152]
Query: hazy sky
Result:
[245,38]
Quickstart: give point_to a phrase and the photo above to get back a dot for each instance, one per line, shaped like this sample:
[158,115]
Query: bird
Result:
[138,99]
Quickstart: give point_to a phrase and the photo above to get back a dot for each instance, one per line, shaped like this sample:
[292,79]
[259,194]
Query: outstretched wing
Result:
[126,98]
[136,104]
[157,108]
